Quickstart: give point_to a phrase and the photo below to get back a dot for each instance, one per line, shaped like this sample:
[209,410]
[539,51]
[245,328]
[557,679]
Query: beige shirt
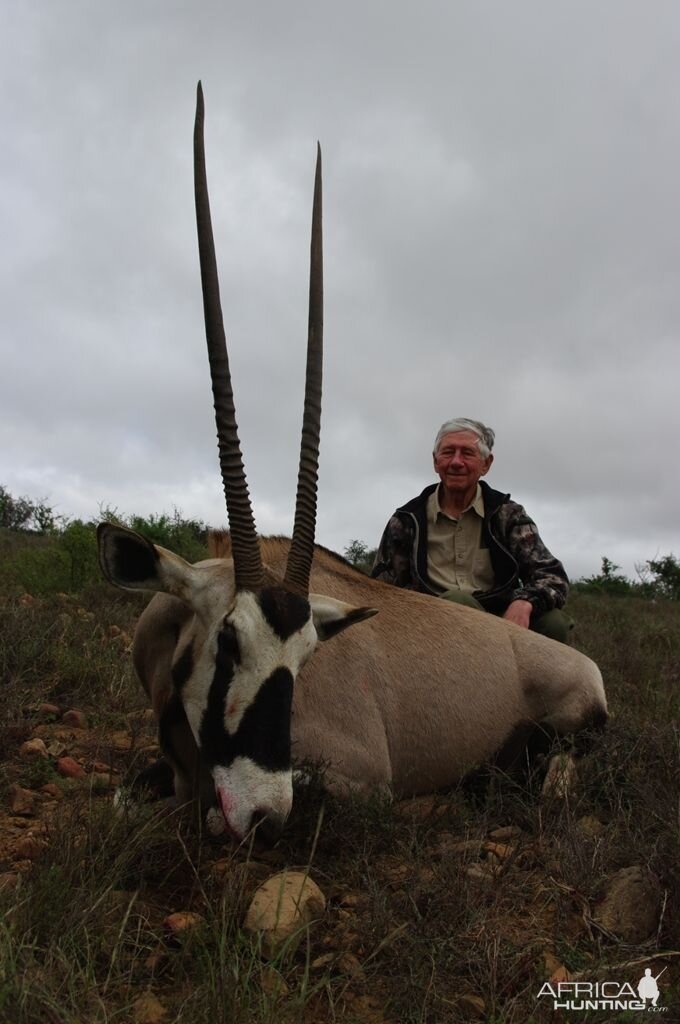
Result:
[455,558]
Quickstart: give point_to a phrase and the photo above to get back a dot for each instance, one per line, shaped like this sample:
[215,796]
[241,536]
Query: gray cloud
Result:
[500,242]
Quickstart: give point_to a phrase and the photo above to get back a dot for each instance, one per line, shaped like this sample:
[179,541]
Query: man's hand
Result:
[519,612]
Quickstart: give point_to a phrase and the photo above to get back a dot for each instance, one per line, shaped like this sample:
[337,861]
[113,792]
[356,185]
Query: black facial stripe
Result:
[213,737]
[285,612]
[135,560]
[173,718]
[263,734]
[227,646]
[183,667]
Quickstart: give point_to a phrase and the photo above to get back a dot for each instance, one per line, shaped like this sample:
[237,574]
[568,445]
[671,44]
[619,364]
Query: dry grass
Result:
[415,930]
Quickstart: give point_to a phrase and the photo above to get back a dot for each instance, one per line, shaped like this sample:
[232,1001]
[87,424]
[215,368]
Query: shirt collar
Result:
[434,508]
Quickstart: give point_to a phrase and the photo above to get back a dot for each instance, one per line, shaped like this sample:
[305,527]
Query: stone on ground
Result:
[281,908]
[631,905]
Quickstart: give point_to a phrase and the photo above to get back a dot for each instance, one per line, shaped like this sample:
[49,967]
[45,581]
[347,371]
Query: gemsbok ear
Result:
[132,562]
[331,616]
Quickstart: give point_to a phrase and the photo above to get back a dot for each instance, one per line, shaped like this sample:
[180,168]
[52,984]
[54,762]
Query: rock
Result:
[481,873]
[215,822]
[631,905]
[421,809]
[157,960]
[29,847]
[148,1009]
[142,715]
[54,732]
[21,801]
[281,908]
[69,768]
[349,964]
[76,719]
[450,845]
[114,631]
[51,789]
[103,780]
[120,740]
[505,832]
[322,961]
[473,1006]
[48,711]
[560,974]
[273,984]
[502,851]
[393,870]
[182,924]
[591,826]
[17,824]
[33,750]
[220,869]
[55,748]
[555,969]
[353,900]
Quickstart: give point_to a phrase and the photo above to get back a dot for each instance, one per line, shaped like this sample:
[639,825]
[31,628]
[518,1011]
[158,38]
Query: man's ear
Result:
[487,465]
[331,616]
[132,562]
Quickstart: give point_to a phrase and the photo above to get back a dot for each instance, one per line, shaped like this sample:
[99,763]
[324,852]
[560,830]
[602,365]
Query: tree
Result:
[666,576]
[15,513]
[360,555]
[609,580]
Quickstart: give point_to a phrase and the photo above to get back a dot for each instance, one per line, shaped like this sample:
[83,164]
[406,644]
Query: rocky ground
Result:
[433,910]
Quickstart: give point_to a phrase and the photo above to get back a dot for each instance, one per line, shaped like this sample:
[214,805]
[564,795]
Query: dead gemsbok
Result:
[409,702]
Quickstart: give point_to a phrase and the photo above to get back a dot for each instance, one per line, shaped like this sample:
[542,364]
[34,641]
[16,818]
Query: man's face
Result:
[458,461]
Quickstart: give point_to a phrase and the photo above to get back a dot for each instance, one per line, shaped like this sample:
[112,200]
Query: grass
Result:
[416,930]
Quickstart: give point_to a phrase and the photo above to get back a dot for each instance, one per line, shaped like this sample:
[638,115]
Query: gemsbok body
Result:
[232,650]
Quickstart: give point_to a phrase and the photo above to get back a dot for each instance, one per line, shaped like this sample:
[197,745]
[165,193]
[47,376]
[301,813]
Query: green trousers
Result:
[555,624]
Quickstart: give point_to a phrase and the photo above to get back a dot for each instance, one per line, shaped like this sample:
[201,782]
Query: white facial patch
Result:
[196,689]
[262,652]
[244,787]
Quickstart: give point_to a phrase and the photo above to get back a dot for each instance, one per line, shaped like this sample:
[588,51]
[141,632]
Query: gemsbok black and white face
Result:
[232,671]
[242,635]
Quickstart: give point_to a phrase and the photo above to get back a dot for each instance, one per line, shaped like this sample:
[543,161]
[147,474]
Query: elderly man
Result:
[466,542]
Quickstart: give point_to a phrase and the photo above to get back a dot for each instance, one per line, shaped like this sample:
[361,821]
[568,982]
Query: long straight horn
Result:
[245,546]
[302,546]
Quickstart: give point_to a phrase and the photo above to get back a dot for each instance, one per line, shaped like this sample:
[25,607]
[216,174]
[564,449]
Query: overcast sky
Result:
[502,241]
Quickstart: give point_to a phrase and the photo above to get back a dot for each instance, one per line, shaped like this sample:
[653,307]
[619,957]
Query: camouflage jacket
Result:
[523,567]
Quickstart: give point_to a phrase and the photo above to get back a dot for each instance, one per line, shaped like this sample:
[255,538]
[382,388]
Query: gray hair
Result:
[485,435]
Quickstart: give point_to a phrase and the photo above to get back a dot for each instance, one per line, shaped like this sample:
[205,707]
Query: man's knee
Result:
[556,625]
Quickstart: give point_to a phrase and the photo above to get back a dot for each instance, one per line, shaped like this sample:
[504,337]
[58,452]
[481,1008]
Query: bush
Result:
[64,558]
[360,555]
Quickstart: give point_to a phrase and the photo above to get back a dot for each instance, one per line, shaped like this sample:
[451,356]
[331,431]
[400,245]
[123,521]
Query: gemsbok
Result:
[227,648]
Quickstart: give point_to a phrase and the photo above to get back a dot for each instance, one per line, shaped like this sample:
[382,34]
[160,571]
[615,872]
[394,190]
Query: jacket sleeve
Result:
[542,578]
[393,558]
